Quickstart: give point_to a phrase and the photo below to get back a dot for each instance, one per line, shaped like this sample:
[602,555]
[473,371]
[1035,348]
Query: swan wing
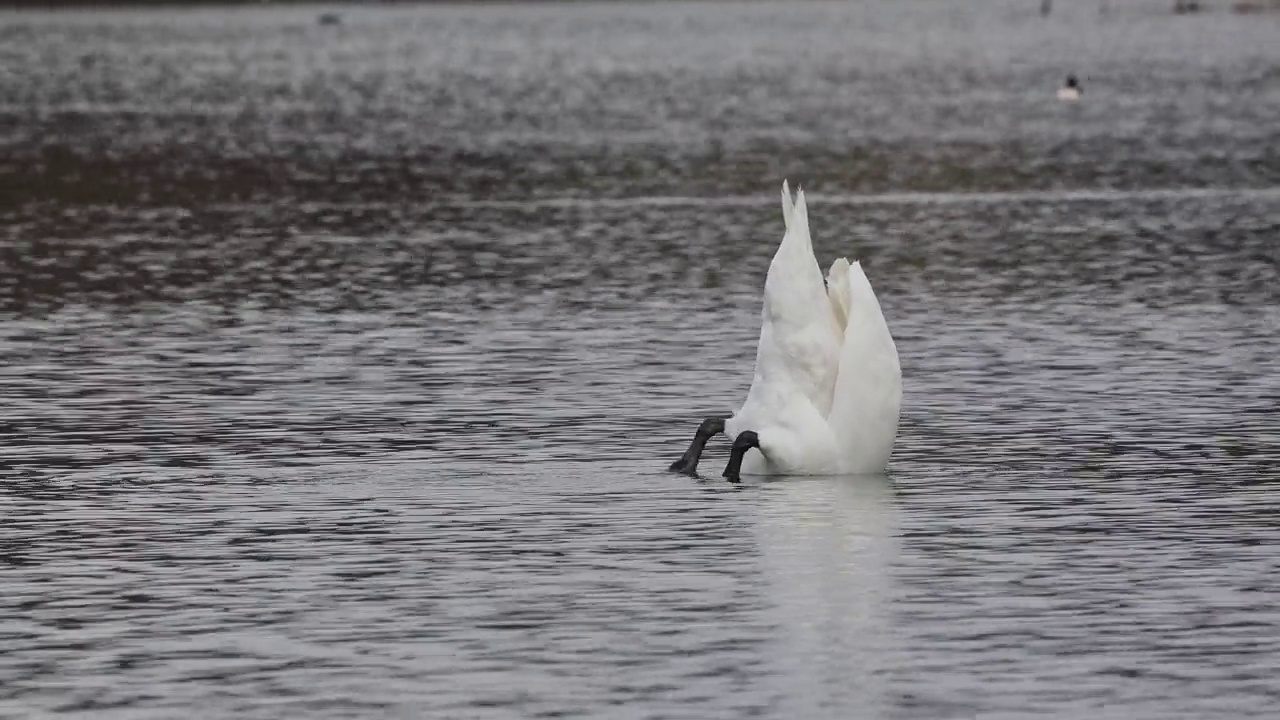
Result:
[868,387]
[838,293]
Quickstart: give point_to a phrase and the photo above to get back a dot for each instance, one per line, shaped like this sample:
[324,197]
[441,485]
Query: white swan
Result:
[827,388]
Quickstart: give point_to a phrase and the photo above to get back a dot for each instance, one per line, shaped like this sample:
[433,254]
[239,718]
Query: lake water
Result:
[341,364]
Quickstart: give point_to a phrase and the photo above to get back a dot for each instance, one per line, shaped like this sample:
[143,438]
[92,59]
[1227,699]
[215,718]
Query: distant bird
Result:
[330,18]
[1070,91]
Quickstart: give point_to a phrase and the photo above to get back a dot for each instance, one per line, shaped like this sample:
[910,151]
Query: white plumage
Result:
[827,388]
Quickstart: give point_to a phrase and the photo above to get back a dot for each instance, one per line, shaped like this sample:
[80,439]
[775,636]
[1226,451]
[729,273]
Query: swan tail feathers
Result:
[794,284]
[800,223]
[799,340]
[787,206]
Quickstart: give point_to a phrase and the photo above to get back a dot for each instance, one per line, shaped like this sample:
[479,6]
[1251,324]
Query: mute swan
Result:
[1070,91]
[827,385]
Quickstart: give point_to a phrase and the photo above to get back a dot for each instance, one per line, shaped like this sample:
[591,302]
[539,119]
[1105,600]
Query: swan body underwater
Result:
[827,388]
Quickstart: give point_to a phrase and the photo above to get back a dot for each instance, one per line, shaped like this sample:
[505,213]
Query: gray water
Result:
[341,365]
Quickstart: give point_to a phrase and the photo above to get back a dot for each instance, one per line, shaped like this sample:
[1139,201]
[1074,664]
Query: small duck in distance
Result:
[1071,91]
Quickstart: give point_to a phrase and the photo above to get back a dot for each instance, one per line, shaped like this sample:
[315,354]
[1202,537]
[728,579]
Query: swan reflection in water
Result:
[827,546]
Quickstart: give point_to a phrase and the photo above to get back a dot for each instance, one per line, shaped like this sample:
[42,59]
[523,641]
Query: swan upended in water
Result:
[827,386]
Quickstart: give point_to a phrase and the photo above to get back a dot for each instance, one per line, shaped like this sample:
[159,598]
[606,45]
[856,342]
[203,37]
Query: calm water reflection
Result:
[340,364]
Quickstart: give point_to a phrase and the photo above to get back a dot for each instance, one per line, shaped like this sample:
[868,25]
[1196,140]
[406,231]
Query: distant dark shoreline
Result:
[124,4]
[179,4]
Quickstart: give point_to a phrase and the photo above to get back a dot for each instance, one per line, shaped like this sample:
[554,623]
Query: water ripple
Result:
[341,363]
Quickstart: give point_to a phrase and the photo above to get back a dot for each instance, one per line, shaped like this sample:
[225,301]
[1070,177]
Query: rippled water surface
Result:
[340,365]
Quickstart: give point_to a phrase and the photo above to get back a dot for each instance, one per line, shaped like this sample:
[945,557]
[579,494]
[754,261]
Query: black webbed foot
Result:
[688,463]
[746,440]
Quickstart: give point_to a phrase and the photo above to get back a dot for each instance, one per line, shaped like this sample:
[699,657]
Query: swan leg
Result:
[688,462]
[746,440]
